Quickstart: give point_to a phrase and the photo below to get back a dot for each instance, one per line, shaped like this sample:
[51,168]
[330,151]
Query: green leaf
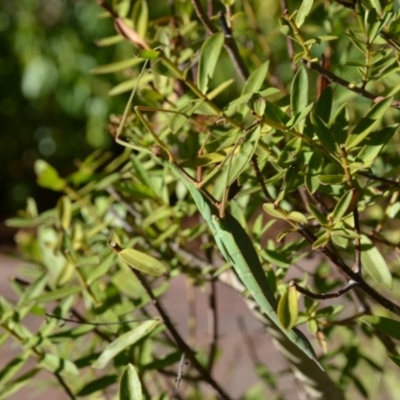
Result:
[123,341]
[17,384]
[299,94]
[331,179]
[313,171]
[209,55]
[109,41]
[323,106]
[375,264]
[329,311]
[366,124]
[140,17]
[253,84]
[304,10]
[149,54]
[342,205]
[100,269]
[274,211]
[33,290]
[318,215]
[130,387]
[374,146]
[388,326]
[11,369]
[298,217]
[288,308]
[47,176]
[128,85]
[64,207]
[241,160]
[117,66]
[323,133]
[57,294]
[274,116]
[141,261]
[54,363]
[256,79]
[322,241]
[220,88]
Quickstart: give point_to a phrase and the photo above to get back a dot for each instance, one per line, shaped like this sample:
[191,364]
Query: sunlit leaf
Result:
[48,177]
[124,341]
[209,55]
[375,264]
[304,10]
[53,363]
[299,94]
[140,261]
[366,124]
[117,66]
[288,308]
[130,387]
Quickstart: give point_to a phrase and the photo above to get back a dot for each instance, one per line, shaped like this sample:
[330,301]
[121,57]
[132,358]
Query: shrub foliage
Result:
[285,118]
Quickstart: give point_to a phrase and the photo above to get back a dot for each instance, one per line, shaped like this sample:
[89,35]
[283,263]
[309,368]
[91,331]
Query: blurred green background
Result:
[51,107]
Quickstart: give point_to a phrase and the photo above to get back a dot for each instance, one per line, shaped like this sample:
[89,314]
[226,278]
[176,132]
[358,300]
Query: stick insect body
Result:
[237,248]
[232,240]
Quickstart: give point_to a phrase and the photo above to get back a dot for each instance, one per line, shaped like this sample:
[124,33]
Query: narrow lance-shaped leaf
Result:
[140,17]
[241,160]
[323,133]
[288,308]
[209,55]
[254,83]
[343,205]
[299,95]
[313,170]
[140,261]
[64,207]
[124,341]
[323,107]
[374,263]
[366,124]
[374,145]
[130,387]
[304,10]
[53,363]
[117,66]
[48,177]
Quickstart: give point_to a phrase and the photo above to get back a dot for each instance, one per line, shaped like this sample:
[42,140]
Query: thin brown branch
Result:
[379,179]
[259,177]
[289,41]
[324,296]
[233,50]
[179,340]
[213,324]
[203,17]
[346,84]
[330,253]
[230,43]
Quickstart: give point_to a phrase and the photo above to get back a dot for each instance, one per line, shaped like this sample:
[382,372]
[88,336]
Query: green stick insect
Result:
[232,240]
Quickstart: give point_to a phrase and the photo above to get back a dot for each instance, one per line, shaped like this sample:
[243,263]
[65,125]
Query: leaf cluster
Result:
[311,173]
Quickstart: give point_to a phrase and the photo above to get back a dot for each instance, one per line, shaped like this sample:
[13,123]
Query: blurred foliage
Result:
[300,120]
[50,106]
